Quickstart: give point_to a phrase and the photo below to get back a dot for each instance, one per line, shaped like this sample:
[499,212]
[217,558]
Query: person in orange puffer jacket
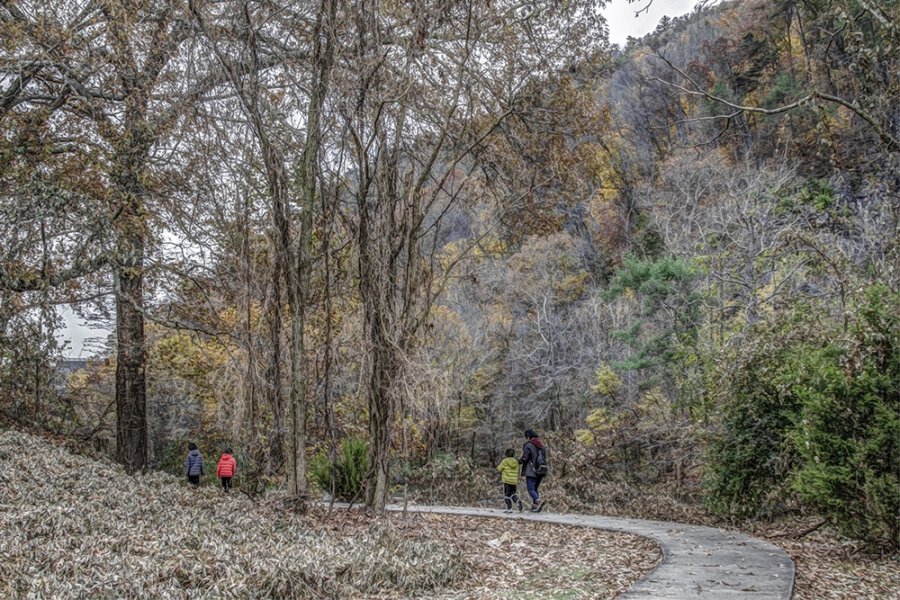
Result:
[226,469]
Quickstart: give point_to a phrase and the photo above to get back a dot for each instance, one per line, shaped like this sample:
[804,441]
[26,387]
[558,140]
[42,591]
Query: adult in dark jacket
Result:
[532,479]
[193,465]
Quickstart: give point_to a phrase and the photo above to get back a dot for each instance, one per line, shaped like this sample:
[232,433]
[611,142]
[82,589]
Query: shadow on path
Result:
[698,562]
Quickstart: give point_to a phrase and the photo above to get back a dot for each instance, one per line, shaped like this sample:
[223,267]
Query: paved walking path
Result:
[698,562]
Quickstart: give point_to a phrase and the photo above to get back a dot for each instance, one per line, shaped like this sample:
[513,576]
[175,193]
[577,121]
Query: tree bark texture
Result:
[132,432]
[390,271]
[131,389]
[375,295]
[274,390]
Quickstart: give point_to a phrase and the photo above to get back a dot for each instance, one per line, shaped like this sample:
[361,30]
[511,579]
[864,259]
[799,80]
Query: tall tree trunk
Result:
[295,261]
[132,431]
[131,390]
[295,442]
[250,401]
[383,329]
[274,391]
[322,58]
[382,414]
[328,211]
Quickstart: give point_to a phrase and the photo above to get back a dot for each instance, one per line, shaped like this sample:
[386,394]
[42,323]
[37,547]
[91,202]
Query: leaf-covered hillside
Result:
[74,527]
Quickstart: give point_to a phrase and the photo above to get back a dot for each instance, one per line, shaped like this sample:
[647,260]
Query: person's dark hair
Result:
[192,446]
[529,433]
[510,452]
[228,451]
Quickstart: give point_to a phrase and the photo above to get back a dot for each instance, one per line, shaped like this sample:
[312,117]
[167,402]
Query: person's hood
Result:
[536,442]
[224,454]
[194,452]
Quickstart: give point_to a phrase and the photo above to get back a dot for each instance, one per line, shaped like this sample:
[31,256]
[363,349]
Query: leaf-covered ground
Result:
[524,559]
[828,565]
[829,569]
[74,527]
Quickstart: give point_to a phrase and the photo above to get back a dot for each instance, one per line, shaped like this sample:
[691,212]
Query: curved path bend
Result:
[697,562]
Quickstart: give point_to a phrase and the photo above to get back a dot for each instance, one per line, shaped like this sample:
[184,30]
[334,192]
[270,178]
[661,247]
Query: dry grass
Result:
[73,527]
[77,528]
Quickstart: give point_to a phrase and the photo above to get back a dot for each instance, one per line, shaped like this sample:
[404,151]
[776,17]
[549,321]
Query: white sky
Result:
[82,340]
[622,23]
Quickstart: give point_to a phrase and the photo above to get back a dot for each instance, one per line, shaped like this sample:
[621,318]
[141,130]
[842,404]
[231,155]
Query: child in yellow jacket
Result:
[509,471]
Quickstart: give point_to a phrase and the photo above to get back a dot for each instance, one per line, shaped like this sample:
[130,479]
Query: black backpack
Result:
[539,461]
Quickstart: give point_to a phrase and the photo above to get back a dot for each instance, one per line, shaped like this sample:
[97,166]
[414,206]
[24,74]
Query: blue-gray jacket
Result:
[193,464]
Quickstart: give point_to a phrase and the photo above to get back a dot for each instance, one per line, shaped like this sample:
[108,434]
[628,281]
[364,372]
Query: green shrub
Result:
[342,477]
[847,435]
[813,410]
[751,456]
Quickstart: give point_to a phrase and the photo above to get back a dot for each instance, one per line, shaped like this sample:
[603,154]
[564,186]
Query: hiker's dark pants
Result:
[510,494]
[226,483]
[532,484]
[194,480]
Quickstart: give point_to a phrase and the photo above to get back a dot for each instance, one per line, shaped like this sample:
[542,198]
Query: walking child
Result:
[509,471]
[193,465]
[226,469]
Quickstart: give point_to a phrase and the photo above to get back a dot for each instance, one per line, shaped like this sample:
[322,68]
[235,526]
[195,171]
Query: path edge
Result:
[617,524]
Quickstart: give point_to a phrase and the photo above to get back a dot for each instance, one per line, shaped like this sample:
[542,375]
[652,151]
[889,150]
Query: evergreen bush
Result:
[750,457]
[814,412]
[847,434]
[342,477]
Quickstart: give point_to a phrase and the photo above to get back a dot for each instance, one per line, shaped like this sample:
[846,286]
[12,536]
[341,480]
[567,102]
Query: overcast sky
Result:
[75,333]
[622,23]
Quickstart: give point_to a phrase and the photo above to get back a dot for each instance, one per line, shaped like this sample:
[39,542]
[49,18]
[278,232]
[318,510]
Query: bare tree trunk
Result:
[322,59]
[132,432]
[130,169]
[274,391]
[250,400]
[297,407]
[328,211]
[295,443]
[296,261]
[381,401]
[131,390]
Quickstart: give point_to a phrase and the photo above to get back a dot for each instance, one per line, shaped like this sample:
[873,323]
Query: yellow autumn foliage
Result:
[606,381]
[585,437]
[601,420]
[572,286]
[654,408]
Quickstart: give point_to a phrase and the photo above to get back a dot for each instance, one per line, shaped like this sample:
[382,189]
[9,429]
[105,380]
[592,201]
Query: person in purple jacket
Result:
[193,465]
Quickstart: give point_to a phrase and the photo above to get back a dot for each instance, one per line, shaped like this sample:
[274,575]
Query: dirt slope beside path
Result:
[698,562]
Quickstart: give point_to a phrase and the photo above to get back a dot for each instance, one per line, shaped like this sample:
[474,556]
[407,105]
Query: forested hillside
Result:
[369,247]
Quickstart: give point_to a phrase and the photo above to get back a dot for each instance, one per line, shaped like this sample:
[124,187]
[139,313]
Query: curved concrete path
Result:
[697,562]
